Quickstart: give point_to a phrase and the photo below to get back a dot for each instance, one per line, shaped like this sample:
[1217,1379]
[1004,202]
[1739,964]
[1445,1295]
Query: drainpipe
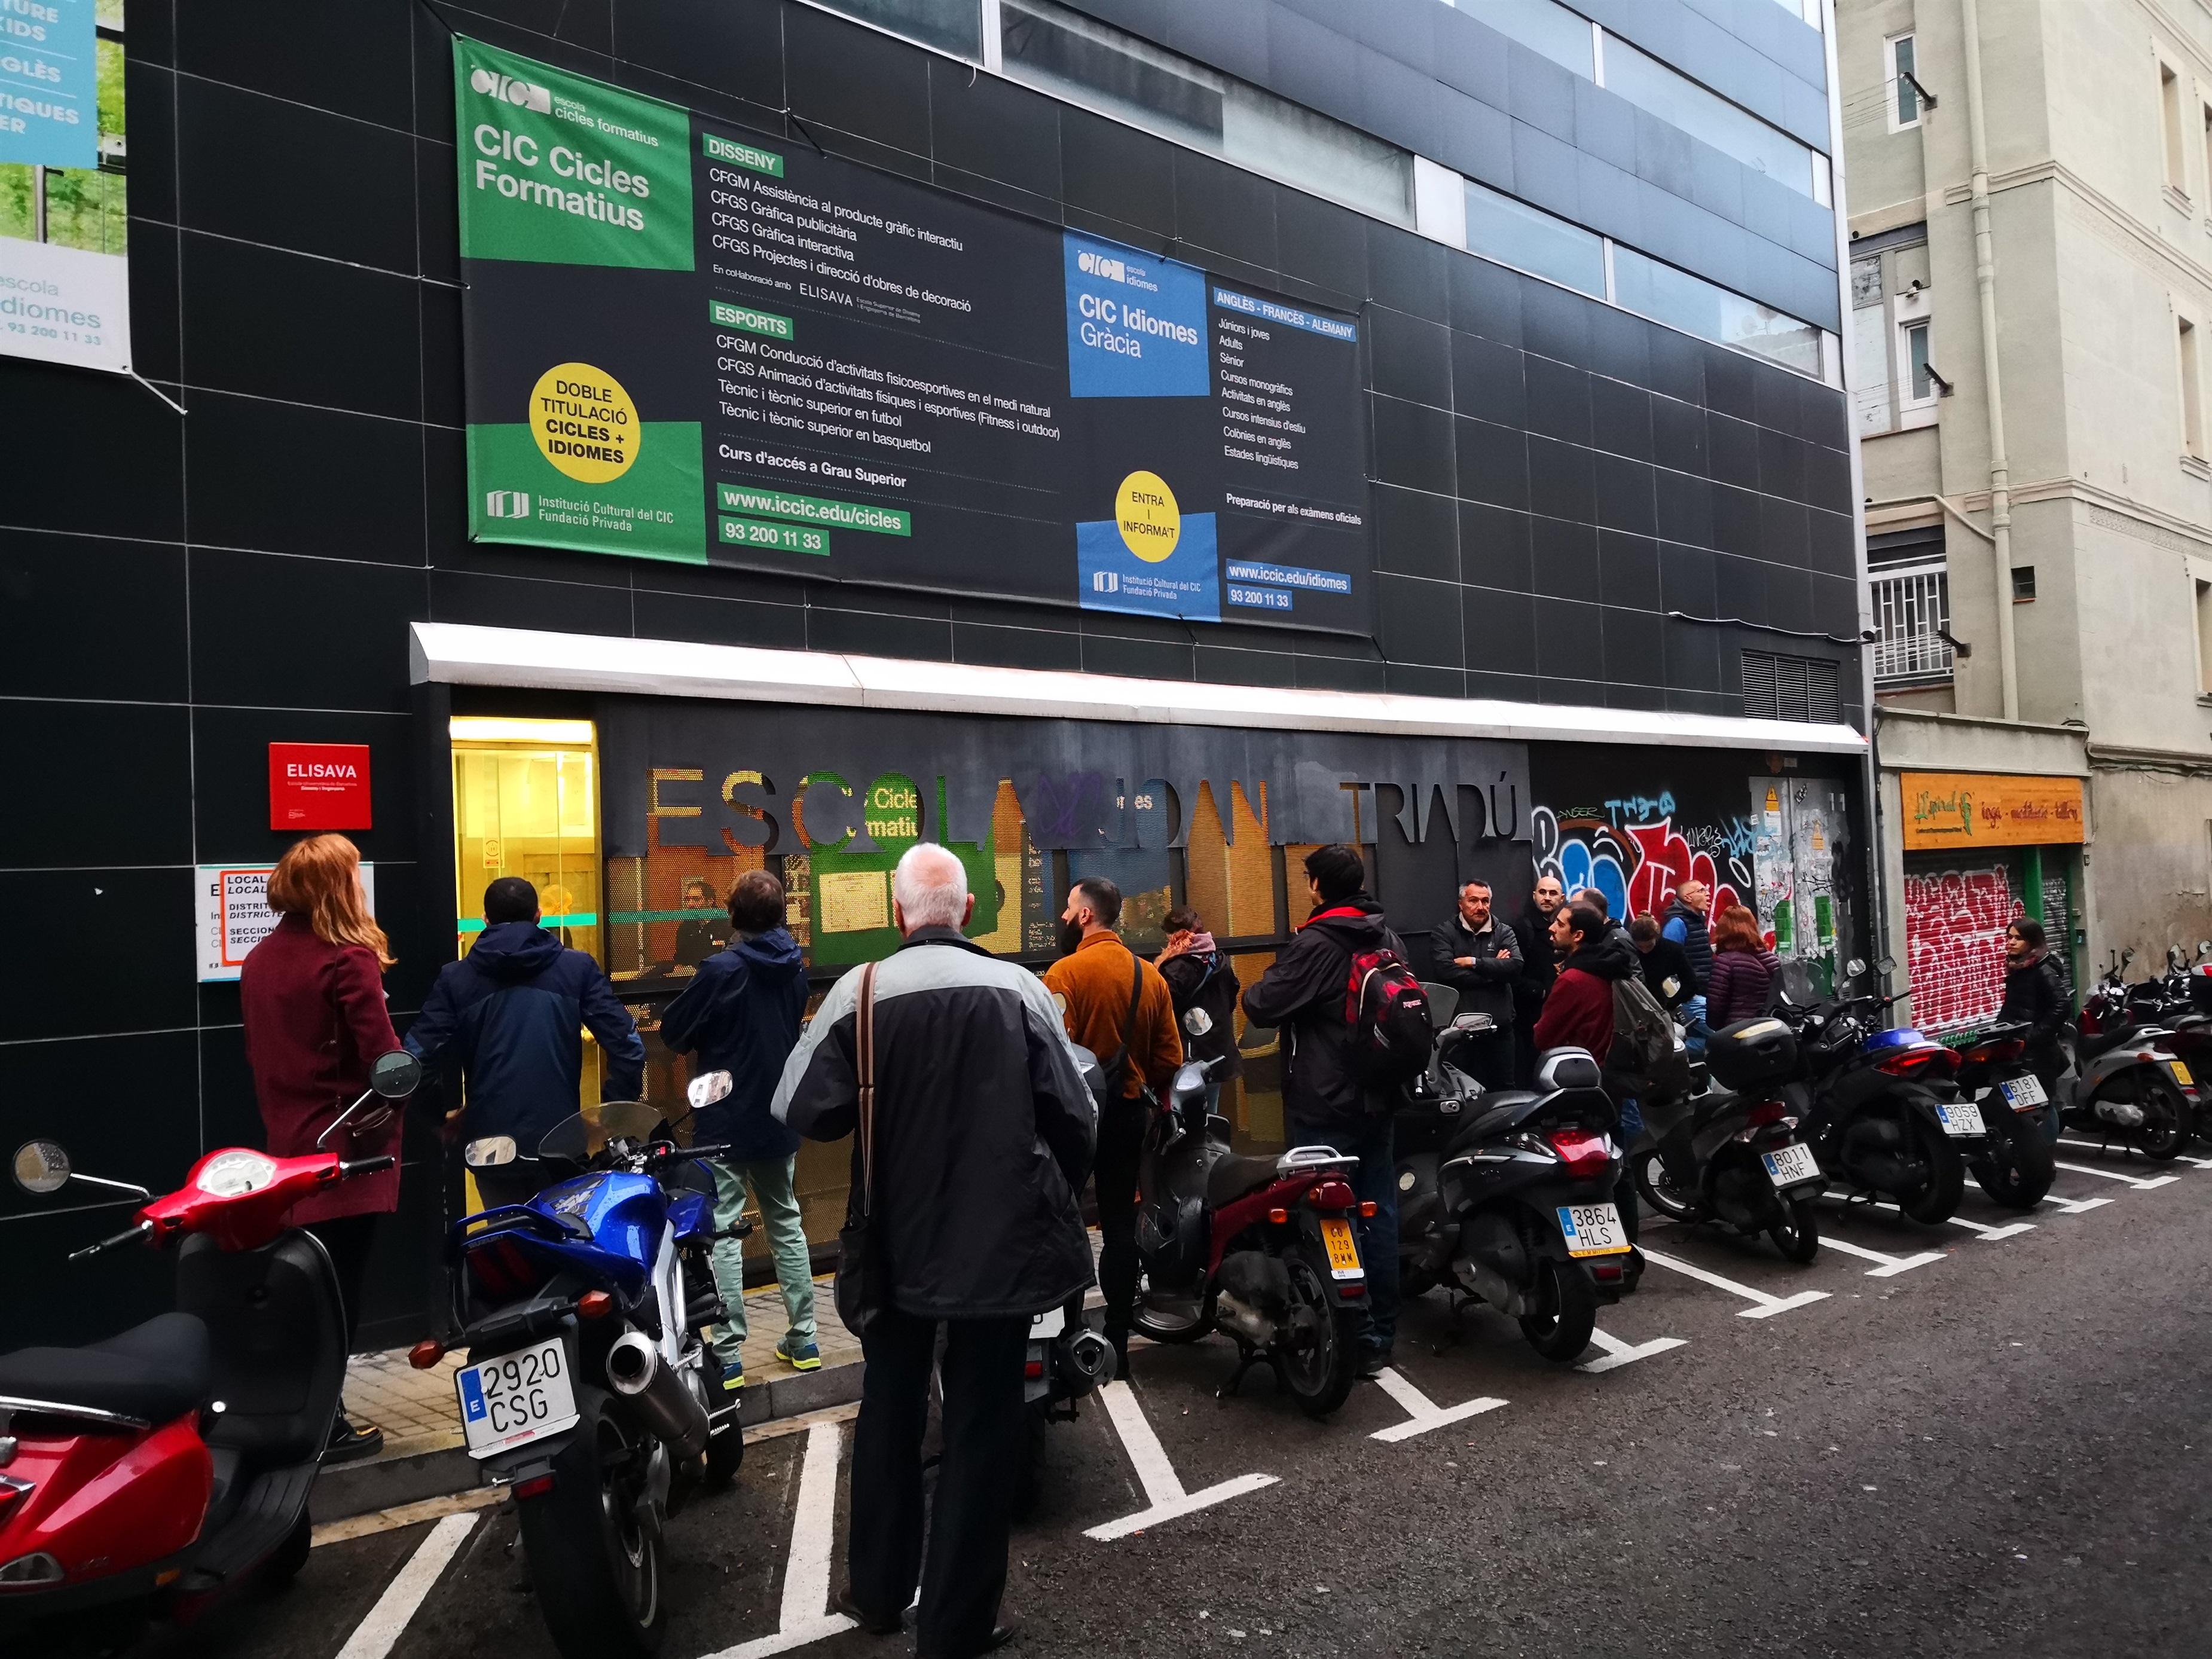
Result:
[1985,284]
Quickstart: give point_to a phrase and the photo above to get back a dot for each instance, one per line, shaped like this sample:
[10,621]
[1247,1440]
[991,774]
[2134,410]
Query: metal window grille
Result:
[1776,687]
[1911,610]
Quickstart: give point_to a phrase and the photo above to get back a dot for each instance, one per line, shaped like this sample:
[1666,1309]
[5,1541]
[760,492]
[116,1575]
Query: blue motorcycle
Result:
[589,1389]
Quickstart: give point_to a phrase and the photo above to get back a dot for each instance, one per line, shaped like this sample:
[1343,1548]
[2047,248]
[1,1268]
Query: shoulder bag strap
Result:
[1120,1067]
[864,1039]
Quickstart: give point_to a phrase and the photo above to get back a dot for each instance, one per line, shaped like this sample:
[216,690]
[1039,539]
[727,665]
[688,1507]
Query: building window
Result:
[2169,107]
[2204,637]
[1546,28]
[1919,387]
[2192,397]
[953,26]
[1527,239]
[1653,87]
[1912,613]
[1779,687]
[1697,306]
[1904,91]
[1065,54]
[2023,584]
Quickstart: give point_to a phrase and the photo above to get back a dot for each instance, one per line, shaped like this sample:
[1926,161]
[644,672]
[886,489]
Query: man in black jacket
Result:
[984,1131]
[1302,995]
[508,1013]
[1478,955]
[1540,966]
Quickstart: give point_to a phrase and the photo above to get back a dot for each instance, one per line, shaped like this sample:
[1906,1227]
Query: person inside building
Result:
[742,1015]
[1683,924]
[1539,967]
[1204,985]
[699,937]
[2035,995]
[1666,968]
[975,1225]
[1579,1014]
[1120,1009]
[1744,969]
[1302,994]
[1478,955]
[510,1014]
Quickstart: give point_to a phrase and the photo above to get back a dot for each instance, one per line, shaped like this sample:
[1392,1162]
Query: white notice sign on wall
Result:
[234,915]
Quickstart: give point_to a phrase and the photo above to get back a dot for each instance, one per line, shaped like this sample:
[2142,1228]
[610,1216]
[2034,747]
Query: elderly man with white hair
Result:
[984,1132]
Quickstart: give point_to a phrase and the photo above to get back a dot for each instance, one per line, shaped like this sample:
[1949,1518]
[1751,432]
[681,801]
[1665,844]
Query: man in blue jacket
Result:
[741,1015]
[510,1013]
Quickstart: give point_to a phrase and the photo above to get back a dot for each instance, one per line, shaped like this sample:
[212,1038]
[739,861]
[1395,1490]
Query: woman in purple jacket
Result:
[1744,969]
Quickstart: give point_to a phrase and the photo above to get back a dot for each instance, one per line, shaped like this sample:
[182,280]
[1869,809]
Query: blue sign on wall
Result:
[49,84]
[1136,325]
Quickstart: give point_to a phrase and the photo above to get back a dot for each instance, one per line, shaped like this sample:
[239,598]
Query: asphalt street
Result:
[1968,1439]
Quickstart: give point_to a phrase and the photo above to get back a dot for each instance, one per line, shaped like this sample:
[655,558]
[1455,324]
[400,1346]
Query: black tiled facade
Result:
[1551,476]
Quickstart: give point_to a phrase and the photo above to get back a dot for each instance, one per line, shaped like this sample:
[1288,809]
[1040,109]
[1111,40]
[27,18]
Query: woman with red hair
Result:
[313,992]
[1744,969]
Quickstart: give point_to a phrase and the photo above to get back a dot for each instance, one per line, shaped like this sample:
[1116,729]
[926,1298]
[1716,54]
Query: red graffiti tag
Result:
[1665,862]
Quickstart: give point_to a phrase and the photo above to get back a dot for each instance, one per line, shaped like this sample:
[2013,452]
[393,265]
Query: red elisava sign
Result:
[318,786]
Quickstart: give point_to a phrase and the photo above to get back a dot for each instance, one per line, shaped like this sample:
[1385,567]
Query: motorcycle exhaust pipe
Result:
[1090,1361]
[656,1392]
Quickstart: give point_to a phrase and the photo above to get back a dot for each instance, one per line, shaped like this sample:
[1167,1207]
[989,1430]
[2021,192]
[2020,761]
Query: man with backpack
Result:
[1355,1029]
[1117,1005]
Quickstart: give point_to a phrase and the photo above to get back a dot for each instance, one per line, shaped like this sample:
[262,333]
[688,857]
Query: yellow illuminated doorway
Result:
[527,803]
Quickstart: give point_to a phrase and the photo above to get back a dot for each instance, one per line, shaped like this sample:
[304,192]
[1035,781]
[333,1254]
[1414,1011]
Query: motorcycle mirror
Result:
[41,1166]
[708,1088]
[1855,966]
[2204,947]
[395,1075]
[490,1152]
[2127,955]
[1887,965]
[1474,1022]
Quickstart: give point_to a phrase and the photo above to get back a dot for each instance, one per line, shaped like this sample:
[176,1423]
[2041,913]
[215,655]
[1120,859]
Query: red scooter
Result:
[156,1472]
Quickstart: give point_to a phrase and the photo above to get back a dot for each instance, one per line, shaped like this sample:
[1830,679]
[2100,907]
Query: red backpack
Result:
[1388,1013]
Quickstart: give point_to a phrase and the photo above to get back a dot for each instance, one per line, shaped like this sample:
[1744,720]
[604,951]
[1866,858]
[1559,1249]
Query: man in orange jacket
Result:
[1120,1008]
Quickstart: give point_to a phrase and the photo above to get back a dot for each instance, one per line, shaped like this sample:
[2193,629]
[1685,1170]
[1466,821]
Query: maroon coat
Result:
[314,1020]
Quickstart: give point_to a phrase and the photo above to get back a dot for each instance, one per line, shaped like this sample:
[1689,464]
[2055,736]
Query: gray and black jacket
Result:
[984,1128]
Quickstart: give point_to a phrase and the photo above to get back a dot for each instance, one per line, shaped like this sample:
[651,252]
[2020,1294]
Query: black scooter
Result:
[1507,1195]
[1736,1156]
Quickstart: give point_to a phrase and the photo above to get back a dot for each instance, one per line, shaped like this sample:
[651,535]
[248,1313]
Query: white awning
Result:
[462,654]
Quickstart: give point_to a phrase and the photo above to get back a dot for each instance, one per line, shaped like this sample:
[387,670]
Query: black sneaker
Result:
[351,1441]
[874,1623]
[1373,1363]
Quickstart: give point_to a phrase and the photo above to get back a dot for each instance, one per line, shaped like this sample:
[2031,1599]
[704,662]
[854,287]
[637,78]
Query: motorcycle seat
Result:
[2105,1042]
[1233,1175]
[152,1372]
[1493,1112]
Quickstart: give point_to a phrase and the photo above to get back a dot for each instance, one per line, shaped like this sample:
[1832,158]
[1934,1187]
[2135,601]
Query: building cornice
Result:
[2147,240]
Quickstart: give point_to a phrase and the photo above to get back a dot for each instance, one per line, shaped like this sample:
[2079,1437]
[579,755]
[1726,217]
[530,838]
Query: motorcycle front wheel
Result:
[1567,1301]
[2020,1166]
[1151,1321]
[1676,1202]
[1317,1358]
[595,1569]
[2166,1127]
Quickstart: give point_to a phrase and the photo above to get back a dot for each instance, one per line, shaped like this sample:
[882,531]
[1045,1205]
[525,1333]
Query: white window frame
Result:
[1889,75]
[1935,571]
[2198,573]
[2173,137]
[2189,381]
[1906,313]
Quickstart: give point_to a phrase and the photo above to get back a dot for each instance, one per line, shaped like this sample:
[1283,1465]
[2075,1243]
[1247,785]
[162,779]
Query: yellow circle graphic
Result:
[584,423]
[1150,522]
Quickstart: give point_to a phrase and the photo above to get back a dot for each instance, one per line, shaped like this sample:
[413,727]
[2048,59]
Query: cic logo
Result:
[1098,264]
[507,504]
[508,90]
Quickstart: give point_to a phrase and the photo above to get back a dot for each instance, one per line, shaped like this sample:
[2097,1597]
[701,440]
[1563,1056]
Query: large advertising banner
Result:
[686,342]
[65,275]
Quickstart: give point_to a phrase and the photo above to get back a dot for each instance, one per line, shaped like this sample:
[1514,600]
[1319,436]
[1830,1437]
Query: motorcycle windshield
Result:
[583,1136]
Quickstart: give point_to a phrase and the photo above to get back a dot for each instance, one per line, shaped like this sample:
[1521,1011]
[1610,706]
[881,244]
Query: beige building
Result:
[2029,191]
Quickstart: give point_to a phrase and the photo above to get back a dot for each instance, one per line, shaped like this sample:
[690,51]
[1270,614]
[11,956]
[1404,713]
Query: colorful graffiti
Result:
[1954,927]
[1635,855]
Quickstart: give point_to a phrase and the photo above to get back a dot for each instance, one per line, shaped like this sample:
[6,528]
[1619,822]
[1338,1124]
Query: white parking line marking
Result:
[785,1640]
[1619,1353]
[1424,1414]
[2140,1183]
[1763,1306]
[1988,1234]
[1163,1494]
[807,1569]
[1891,1265]
[374,1637]
[2074,1205]
[2100,1147]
